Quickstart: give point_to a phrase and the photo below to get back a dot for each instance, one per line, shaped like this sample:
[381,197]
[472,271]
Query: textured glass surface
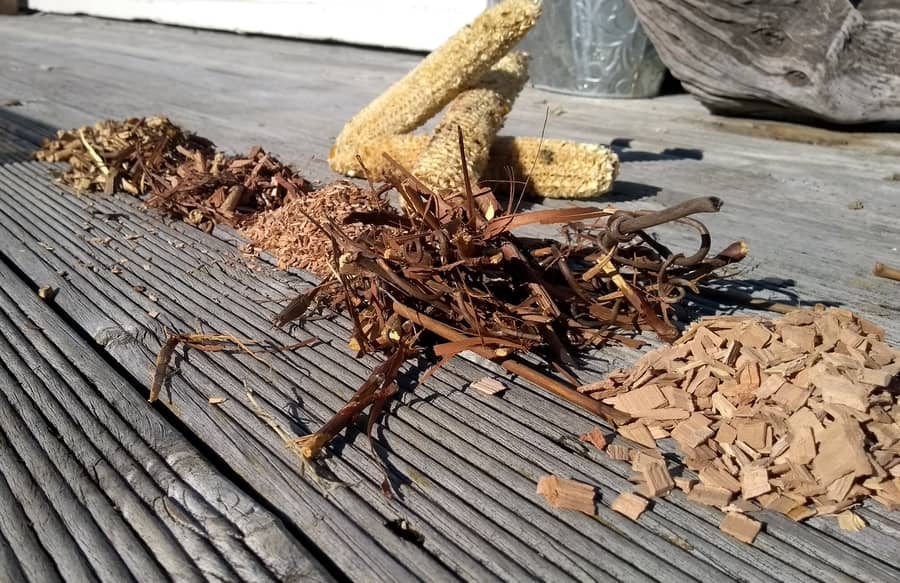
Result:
[592,47]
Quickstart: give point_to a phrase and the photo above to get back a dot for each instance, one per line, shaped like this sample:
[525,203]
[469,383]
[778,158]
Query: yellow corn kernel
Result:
[479,112]
[554,168]
[440,77]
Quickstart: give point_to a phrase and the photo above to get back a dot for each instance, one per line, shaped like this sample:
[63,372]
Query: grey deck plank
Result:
[121,466]
[470,461]
[23,553]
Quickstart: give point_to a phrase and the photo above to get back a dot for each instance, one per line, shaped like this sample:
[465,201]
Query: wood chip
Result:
[217,400]
[715,475]
[684,484]
[638,433]
[678,399]
[655,480]
[488,386]
[791,396]
[842,391]
[754,482]
[878,378]
[802,448]
[850,522]
[619,452]
[753,433]
[629,504]
[567,494]
[801,513]
[710,495]
[782,504]
[841,452]
[642,399]
[802,337]
[740,527]
[723,406]
[691,433]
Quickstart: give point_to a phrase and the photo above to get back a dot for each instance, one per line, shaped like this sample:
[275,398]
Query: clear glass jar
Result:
[592,47]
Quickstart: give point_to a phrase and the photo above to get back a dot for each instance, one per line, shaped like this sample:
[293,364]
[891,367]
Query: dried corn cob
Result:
[479,112]
[554,168]
[425,90]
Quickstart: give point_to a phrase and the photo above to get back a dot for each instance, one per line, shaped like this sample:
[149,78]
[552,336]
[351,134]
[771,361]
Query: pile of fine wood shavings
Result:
[288,233]
[799,415]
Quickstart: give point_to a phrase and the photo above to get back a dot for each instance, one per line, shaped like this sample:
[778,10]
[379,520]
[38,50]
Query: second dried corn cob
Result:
[479,112]
[425,90]
[554,168]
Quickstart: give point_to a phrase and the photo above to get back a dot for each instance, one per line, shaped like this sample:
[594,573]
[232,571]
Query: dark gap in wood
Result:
[194,440]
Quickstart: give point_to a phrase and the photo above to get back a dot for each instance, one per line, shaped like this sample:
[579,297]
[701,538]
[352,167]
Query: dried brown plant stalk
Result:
[443,268]
[206,343]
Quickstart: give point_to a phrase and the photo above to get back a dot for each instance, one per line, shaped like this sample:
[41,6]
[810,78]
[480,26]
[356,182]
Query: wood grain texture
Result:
[796,60]
[125,462]
[465,464]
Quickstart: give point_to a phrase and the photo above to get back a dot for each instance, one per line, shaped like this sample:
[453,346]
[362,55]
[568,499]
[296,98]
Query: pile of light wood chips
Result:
[799,415]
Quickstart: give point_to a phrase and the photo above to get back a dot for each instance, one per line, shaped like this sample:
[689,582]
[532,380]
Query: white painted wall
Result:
[410,24]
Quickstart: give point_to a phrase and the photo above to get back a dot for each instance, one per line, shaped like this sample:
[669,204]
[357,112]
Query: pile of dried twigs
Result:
[180,173]
[451,265]
[134,155]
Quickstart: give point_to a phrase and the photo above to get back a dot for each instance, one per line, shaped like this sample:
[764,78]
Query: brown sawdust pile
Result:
[296,241]
[799,415]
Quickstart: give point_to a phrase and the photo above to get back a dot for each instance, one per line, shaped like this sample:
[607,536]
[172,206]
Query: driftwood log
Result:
[820,60]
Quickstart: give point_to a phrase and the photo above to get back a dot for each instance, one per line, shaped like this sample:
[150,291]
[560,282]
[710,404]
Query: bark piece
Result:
[594,437]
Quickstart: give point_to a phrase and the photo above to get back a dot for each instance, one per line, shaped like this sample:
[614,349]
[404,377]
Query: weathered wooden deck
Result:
[97,485]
